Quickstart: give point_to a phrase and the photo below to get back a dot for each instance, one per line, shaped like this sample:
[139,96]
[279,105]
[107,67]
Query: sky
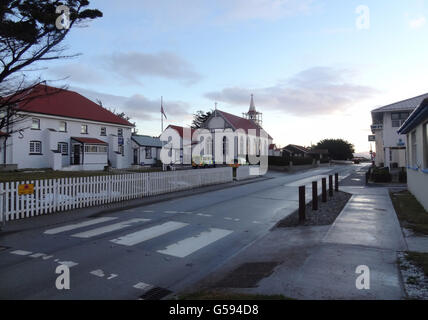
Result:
[316,68]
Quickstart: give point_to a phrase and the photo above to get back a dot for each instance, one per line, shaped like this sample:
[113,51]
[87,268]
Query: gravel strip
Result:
[325,215]
[415,282]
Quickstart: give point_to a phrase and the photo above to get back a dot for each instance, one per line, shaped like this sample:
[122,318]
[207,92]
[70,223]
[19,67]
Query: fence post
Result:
[302,204]
[2,208]
[315,195]
[330,185]
[336,182]
[324,190]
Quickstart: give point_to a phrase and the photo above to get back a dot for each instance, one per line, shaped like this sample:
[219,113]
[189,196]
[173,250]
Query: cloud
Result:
[315,91]
[417,23]
[77,73]
[134,65]
[137,106]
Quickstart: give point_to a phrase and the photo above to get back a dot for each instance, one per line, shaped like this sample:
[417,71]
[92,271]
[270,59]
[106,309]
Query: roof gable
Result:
[69,104]
[241,123]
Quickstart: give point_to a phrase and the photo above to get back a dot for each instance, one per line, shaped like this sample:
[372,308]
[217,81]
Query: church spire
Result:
[252,105]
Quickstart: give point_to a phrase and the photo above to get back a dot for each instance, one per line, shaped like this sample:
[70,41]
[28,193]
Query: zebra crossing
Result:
[180,248]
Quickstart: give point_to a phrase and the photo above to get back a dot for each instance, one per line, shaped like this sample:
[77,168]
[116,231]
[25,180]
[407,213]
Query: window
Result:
[35,125]
[84,129]
[63,126]
[103,131]
[426,144]
[148,153]
[209,146]
[90,148]
[35,147]
[414,150]
[122,150]
[120,132]
[63,148]
[398,118]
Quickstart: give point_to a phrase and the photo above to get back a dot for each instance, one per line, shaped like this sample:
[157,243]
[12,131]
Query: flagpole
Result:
[161,114]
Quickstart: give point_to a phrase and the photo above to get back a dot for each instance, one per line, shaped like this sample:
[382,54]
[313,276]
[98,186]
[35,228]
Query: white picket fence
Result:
[56,195]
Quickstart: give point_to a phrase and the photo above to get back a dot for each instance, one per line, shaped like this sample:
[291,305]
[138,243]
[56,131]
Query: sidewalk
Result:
[320,262]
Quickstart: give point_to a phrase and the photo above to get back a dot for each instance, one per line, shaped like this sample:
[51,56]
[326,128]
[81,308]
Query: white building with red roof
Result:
[247,137]
[62,130]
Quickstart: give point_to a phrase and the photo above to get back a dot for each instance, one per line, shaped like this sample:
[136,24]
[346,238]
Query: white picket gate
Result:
[56,195]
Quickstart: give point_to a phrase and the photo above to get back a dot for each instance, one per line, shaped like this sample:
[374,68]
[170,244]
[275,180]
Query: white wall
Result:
[19,152]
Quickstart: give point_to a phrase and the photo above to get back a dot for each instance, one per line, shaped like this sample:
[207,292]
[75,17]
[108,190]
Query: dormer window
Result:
[35,124]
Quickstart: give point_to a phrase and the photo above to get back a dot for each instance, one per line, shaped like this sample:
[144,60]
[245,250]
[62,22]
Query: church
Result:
[230,136]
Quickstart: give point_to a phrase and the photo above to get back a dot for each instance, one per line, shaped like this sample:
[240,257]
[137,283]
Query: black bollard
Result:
[324,190]
[315,196]
[302,204]
[330,185]
[336,182]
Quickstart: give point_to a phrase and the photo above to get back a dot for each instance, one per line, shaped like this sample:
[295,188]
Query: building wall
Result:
[19,142]
[417,174]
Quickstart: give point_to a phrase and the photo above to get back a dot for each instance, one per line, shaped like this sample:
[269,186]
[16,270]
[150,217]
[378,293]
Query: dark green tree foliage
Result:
[338,149]
[199,118]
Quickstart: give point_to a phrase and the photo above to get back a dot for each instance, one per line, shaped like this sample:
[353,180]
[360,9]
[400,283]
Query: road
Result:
[149,251]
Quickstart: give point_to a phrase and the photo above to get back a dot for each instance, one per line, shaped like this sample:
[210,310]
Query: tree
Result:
[31,31]
[199,118]
[338,149]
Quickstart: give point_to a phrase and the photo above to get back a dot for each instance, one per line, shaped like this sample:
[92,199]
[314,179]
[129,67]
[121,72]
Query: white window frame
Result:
[86,131]
[148,153]
[414,151]
[65,126]
[120,132]
[33,121]
[63,148]
[35,147]
[103,131]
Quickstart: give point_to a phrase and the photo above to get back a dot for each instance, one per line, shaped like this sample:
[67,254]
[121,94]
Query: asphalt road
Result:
[168,245]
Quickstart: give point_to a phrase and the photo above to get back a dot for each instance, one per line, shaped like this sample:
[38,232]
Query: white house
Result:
[146,150]
[220,127]
[416,131]
[62,130]
[390,145]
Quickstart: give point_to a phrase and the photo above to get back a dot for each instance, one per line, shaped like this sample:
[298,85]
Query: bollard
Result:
[302,204]
[315,196]
[336,182]
[330,185]
[324,190]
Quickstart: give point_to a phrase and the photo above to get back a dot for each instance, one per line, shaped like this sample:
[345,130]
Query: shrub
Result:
[381,175]
[402,177]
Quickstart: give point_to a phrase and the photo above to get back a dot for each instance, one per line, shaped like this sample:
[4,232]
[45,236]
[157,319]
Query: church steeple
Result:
[252,113]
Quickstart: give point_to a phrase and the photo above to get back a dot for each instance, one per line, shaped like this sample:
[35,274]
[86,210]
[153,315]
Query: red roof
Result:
[69,104]
[88,140]
[241,123]
[180,130]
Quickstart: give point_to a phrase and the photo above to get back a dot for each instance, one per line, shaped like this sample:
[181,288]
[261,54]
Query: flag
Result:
[162,110]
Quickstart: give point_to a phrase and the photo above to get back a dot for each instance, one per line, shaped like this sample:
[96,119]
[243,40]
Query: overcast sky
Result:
[314,73]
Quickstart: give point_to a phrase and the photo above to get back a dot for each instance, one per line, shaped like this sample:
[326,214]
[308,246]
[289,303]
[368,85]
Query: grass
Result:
[410,212]
[420,259]
[23,175]
[228,296]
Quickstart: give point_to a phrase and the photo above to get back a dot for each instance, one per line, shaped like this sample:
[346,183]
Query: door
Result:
[76,153]
[136,156]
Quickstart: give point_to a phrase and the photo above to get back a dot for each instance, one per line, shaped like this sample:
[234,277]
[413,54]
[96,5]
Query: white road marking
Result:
[170,212]
[112,276]
[204,215]
[150,233]
[78,225]
[21,252]
[228,218]
[143,286]
[237,220]
[256,222]
[98,273]
[47,257]
[187,246]
[38,255]
[148,211]
[109,228]
[69,264]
